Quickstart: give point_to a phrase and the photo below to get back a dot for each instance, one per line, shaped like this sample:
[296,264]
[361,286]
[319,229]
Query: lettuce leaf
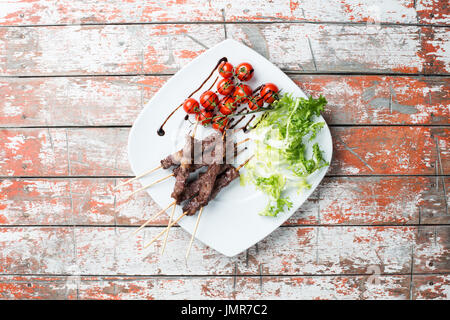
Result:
[287,129]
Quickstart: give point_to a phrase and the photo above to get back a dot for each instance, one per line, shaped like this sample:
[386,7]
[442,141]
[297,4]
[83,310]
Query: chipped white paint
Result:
[15,142]
[62,12]
[290,250]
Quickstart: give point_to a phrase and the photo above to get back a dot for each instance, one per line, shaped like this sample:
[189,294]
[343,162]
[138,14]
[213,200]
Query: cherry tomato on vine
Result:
[209,100]
[244,71]
[204,117]
[227,105]
[269,92]
[220,123]
[226,69]
[225,86]
[255,102]
[242,93]
[191,106]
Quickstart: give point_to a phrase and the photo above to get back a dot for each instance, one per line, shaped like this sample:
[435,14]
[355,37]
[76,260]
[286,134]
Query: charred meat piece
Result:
[205,190]
[192,168]
[183,171]
[176,158]
[224,180]
[180,182]
[193,188]
[221,182]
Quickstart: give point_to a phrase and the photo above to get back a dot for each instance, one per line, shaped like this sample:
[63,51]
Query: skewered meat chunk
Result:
[183,171]
[192,168]
[205,190]
[221,182]
[176,158]
[193,187]
[224,180]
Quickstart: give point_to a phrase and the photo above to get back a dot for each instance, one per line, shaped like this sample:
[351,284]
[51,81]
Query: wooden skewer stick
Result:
[193,233]
[154,217]
[245,162]
[171,175]
[243,141]
[194,130]
[149,171]
[151,184]
[168,229]
[185,213]
[137,177]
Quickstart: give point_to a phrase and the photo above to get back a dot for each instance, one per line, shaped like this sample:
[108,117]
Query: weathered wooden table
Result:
[75,74]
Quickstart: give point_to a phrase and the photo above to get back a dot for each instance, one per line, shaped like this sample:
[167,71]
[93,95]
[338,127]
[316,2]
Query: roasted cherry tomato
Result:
[269,92]
[204,117]
[226,69]
[209,100]
[255,102]
[225,86]
[227,105]
[220,123]
[191,106]
[244,71]
[242,93]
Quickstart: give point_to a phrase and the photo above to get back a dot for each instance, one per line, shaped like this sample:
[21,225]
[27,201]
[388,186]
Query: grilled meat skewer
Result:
[230,174]
[176,158]
[205,189]
[183,171]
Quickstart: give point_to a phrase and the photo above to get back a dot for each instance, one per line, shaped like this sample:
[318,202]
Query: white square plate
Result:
[230,223]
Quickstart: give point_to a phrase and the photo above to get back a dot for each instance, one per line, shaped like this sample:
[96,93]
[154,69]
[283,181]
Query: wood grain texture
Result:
[380,99]
[431,287]
[65,235]
[149,49]
[432,252]
[67,12]
[338,200]
[117,288]
[102,151]
[108,101]
[430,11]
[287,251]
[103,49]
[36,288]
[333,48]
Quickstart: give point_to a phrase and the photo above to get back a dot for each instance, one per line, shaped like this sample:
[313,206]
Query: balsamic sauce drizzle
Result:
[161,131]
[245,109]
[246,125]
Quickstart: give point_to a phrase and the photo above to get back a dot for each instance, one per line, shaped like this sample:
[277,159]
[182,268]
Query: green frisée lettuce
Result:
[284,156]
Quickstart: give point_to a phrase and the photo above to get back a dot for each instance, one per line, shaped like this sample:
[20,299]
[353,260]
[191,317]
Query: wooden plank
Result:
[98,101]
[356,287]
[103,49]
[131,49]
[338,200]
[66,12]
[102,151]
[288,251]
[436,12]
[435,287]
[33,151]
[380,99]
[390,150]
[39,288]
[104,101]
[334,48]
[312,287]
[432,251]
